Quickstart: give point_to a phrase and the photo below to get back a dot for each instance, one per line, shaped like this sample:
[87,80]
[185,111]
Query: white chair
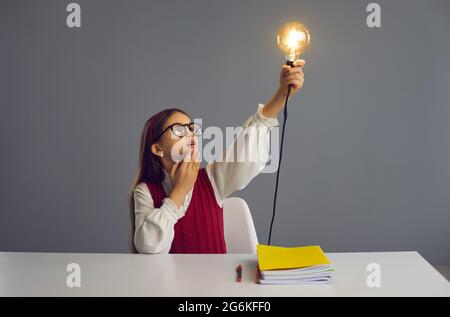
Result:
[240,233]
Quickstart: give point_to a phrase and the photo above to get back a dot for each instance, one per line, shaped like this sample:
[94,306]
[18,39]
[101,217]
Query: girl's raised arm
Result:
[252,145]
[245,158]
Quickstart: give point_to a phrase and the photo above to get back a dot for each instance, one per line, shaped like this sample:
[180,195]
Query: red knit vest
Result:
[200,230]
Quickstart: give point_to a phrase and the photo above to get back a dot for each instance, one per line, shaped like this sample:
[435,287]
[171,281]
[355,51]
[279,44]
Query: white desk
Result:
[44,274]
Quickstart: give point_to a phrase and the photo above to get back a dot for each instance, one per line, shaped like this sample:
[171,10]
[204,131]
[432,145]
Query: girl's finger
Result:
[294,70]
[294,76]
[196,166]
[284,76]
[189,159]
[297,84]
[300,63]
[183,166]
[297,80]
[299,72]
[193,154]
[198,158]
[187,155]
[174,168]
[286,69]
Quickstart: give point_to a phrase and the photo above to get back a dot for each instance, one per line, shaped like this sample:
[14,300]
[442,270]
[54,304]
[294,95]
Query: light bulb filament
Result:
[294,39]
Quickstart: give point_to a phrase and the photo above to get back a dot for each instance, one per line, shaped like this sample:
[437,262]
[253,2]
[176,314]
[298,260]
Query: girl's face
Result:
[172,146]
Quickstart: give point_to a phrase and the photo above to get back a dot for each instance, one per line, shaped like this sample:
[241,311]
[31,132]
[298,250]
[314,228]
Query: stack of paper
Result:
[299,265]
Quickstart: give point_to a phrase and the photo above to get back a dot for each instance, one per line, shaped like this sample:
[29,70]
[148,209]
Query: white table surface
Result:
[44,274]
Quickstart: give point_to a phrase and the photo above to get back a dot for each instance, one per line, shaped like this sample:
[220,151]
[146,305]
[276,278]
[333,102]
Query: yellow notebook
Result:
[279,258]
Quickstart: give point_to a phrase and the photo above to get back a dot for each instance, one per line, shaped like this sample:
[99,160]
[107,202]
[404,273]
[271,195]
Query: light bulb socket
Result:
[290,63]
[291,57]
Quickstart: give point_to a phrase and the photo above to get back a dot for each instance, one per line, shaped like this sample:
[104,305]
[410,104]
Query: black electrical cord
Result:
[280,156]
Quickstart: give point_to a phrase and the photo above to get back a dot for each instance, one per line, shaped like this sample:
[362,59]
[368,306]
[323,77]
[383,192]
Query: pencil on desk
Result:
[239,273]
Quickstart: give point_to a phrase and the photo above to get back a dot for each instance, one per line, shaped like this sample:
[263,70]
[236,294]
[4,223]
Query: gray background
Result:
[368,141]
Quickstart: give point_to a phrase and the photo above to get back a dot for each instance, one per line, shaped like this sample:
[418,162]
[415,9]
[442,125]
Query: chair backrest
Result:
[240,233]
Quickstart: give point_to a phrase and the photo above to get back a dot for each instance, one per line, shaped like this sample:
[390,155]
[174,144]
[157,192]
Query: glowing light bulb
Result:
[293,38]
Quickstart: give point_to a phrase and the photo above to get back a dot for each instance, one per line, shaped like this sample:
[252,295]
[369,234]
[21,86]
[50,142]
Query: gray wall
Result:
[368,141]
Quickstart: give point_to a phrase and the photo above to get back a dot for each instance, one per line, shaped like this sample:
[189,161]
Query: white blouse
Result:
[154,227]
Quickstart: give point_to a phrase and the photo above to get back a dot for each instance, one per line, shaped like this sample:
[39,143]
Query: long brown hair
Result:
[149,167]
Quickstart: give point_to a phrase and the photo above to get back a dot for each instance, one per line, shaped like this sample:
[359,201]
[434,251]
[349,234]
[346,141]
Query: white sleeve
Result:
[154,227]
[244,159]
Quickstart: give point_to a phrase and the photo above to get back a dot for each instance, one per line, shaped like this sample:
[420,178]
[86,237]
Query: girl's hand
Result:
[184,174]
[288,76]
[291,76]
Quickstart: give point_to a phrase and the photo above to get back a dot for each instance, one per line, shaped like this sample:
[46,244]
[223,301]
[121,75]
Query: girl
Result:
[176,207]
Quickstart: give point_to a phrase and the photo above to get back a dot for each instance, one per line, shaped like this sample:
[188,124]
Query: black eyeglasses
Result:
[182,130]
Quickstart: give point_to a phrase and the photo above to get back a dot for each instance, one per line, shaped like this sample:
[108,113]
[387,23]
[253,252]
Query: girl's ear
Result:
[156,150]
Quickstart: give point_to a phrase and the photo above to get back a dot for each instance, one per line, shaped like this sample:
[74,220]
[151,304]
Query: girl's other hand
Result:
[184,174]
